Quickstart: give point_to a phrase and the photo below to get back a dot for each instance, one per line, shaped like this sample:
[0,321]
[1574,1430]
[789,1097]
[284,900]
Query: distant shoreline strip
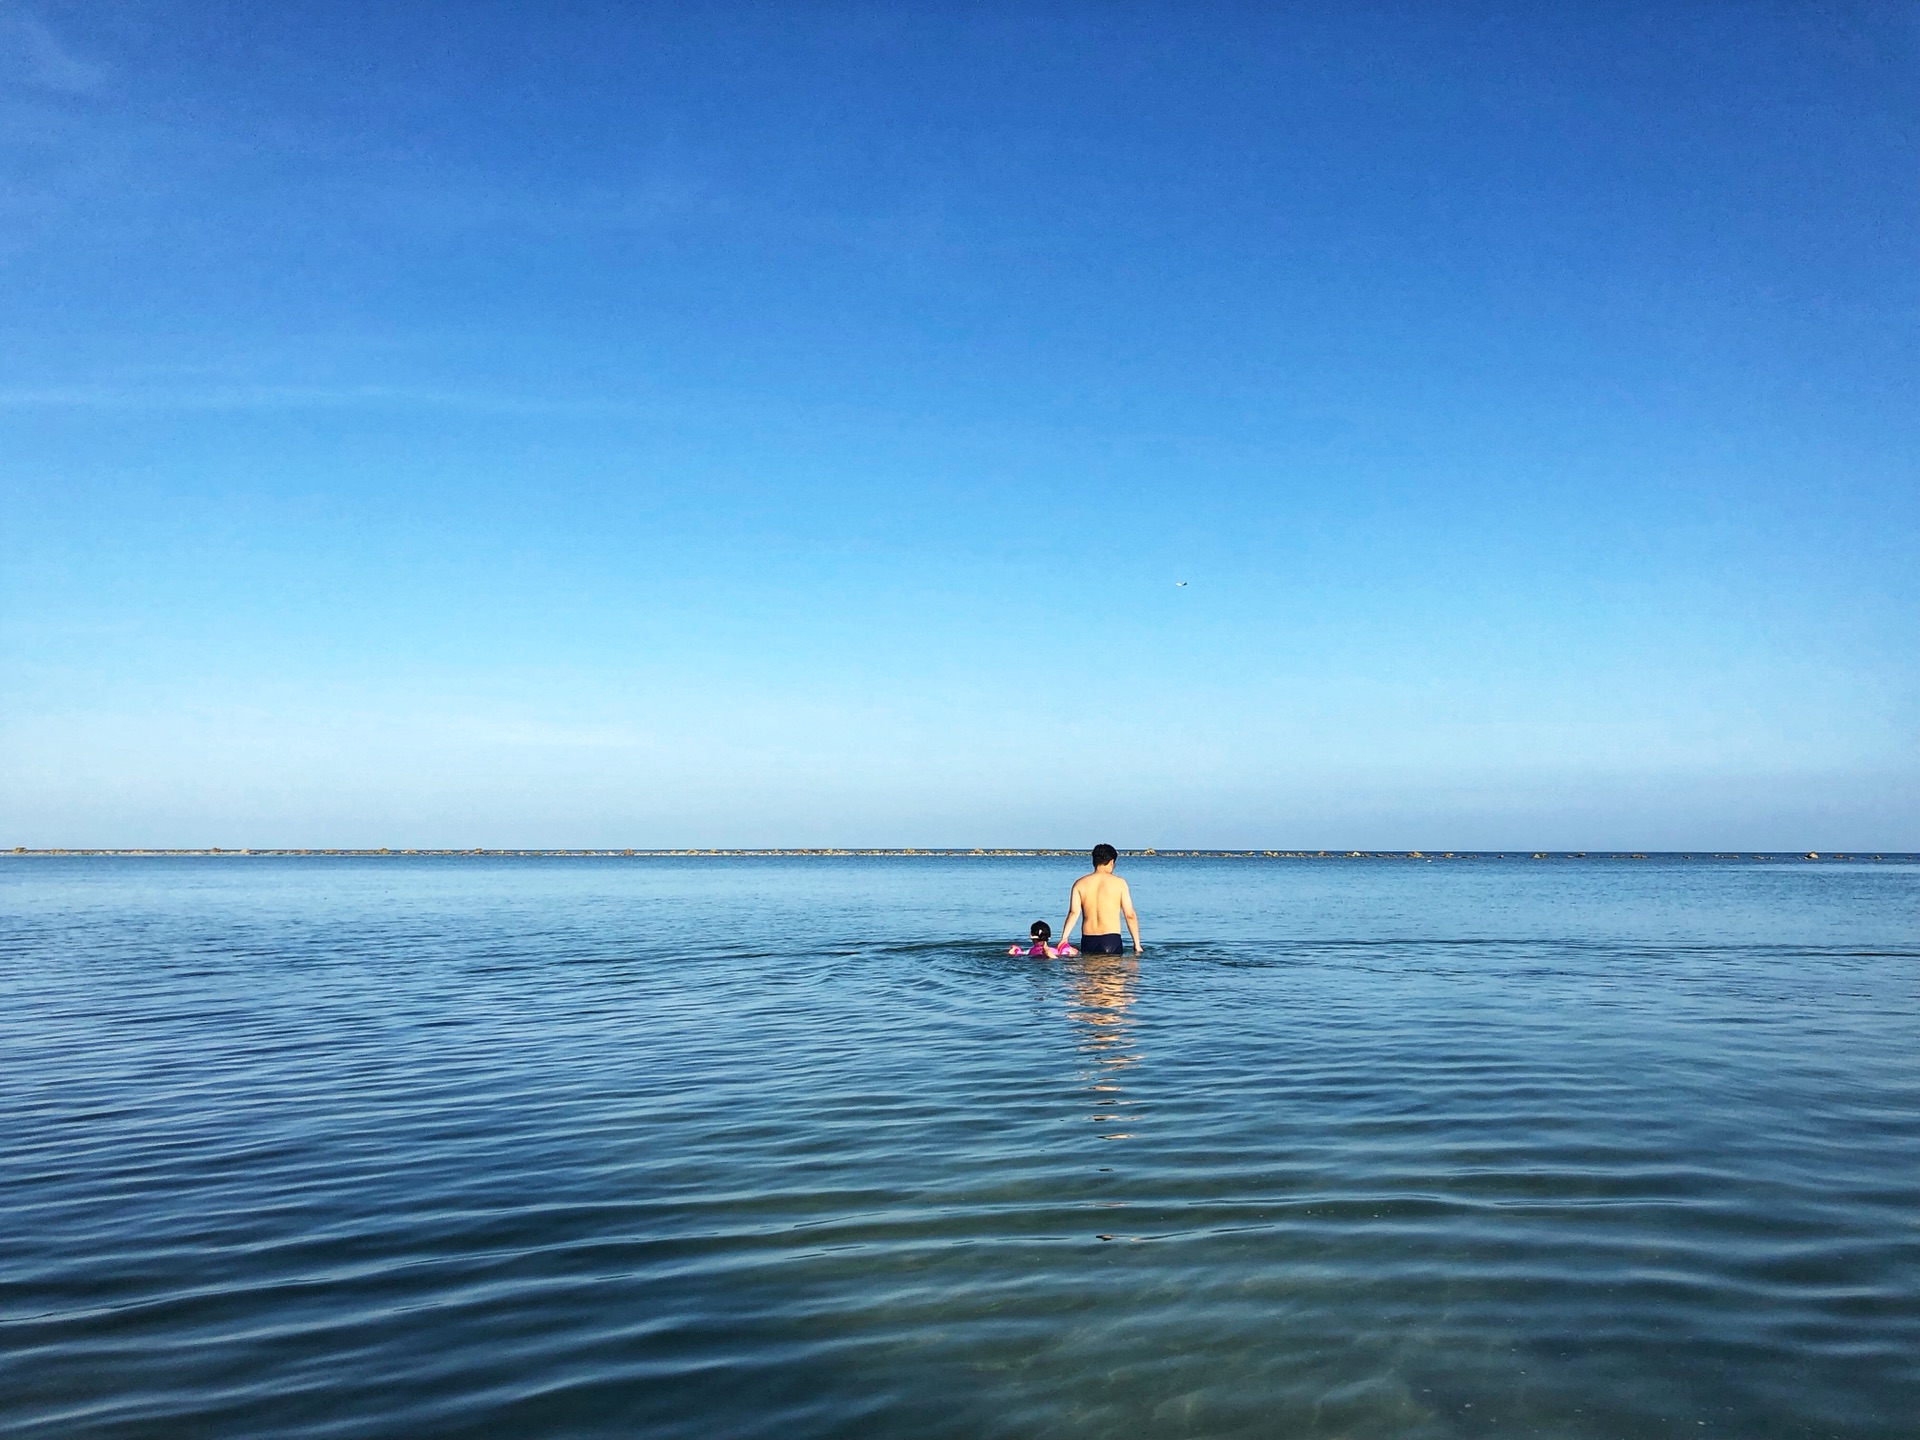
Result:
[224,853]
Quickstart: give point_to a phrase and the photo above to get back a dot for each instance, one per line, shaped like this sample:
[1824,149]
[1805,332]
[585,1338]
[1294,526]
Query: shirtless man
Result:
[1098,901]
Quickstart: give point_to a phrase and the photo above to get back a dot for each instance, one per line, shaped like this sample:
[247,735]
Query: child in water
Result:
[1041,933]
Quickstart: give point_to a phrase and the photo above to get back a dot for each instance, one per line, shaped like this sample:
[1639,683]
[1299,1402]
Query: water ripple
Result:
[337,1149]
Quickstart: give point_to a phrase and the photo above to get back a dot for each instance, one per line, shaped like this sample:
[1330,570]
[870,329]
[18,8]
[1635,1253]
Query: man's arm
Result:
[1133,920]
[1073,913]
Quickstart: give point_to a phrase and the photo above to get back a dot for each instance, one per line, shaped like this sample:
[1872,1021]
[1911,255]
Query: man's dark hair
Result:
[1105,854]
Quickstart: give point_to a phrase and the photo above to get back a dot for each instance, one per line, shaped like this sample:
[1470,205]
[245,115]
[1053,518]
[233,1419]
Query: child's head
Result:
[1040,931]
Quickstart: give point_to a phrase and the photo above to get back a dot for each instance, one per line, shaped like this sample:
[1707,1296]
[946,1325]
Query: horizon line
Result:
[932,852]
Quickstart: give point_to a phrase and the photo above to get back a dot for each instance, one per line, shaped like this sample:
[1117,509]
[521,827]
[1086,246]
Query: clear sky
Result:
[786,424]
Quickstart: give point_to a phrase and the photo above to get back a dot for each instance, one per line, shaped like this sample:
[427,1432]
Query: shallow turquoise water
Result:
[791,1147]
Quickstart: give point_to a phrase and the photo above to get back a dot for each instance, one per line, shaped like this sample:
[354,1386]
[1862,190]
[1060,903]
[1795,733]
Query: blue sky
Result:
[514,424]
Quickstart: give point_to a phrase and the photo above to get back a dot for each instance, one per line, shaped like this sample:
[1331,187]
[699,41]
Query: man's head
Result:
[1104,855]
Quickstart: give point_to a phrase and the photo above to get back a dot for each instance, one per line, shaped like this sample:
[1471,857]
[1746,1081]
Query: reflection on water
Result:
[1102,994]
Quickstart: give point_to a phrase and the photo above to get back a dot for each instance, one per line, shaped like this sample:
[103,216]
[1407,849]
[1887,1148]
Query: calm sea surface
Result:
[706,1147]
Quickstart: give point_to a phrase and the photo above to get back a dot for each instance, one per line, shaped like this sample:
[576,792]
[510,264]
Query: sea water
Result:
[792,1147]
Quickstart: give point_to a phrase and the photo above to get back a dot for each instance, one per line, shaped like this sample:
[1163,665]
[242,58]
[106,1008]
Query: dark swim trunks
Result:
[1099,944]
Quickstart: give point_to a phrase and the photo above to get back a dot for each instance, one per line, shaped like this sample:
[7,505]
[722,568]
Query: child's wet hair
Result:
[1040,931]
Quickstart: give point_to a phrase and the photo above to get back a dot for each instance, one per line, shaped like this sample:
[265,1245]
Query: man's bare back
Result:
[1100,901]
